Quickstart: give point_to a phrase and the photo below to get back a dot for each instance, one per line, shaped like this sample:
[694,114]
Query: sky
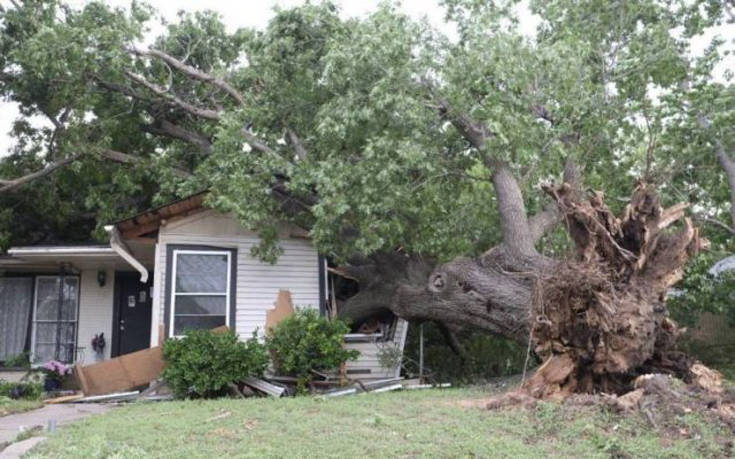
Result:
[256,13]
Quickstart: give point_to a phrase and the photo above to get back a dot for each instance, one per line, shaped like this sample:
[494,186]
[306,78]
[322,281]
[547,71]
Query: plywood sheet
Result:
[283,308]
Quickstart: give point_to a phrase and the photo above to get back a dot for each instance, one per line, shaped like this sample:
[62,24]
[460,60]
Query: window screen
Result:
[200,297]
[55,318]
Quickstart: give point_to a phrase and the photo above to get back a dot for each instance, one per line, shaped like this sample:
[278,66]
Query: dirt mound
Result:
[659,398]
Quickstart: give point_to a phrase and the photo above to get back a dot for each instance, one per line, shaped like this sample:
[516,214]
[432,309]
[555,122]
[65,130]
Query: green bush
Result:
[305,342]
[22,360]
[21,390]
[202,363]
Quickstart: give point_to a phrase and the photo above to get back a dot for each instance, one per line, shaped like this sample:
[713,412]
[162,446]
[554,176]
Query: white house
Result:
[180,266]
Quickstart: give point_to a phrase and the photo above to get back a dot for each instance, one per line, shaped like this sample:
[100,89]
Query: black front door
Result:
[132,327]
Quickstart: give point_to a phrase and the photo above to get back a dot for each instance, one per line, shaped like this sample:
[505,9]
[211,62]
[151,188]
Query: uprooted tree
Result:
[400,149]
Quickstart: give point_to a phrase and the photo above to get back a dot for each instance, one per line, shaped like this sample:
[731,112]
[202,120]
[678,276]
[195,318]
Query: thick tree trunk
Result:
[597,320]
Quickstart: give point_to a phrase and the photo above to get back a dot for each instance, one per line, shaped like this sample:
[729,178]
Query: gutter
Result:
[71,251]
[117,244]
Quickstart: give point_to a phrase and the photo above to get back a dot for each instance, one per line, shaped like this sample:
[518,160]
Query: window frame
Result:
[34,321]
[172,253]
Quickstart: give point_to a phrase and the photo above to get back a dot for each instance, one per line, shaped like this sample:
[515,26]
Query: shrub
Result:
[22,360]
[21,390]
[202,363]
[305,342]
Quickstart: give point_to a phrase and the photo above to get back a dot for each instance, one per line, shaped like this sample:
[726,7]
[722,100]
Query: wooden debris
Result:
[234,390]
[64,399]
[265,387]
[707,378]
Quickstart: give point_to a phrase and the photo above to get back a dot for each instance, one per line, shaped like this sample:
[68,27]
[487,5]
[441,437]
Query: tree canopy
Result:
[375,133]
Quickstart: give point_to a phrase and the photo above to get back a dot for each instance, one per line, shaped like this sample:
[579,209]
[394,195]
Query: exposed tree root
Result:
[600,320]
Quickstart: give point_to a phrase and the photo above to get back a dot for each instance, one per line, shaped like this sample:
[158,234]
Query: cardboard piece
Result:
[283,309]
[121,373]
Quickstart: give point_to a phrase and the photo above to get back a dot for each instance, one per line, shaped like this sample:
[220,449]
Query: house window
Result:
[200,290]
[55,318]
[16,295]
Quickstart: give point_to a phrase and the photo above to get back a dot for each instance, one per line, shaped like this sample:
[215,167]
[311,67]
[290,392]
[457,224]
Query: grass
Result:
[10,406]
[427,423]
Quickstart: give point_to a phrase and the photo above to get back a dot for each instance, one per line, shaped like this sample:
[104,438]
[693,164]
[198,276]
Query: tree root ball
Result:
[600,319]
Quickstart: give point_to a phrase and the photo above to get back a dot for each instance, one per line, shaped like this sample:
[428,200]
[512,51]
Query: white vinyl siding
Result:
[95,314]
[257,283]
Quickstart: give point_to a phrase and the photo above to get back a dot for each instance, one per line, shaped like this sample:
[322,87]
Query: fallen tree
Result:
[597,320]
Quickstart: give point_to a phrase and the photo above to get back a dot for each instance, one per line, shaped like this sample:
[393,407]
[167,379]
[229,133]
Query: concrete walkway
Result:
[11,426]
[17,450]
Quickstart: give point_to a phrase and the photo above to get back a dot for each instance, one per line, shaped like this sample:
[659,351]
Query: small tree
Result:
[305,342]
[203,363]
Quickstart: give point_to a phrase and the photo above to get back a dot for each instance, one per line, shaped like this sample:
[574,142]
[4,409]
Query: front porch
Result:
[65,303]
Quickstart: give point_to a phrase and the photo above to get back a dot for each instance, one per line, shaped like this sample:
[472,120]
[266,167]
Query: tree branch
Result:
[124,158]
[14,184]
[542,222]
[475,132]
[516,232]
[715,222]
[192,72]
[726,162]
[297,145]
[125,90]
[163,127]
[164,94]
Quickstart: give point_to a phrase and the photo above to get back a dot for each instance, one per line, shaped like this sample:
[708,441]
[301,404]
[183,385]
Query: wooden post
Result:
[421,353]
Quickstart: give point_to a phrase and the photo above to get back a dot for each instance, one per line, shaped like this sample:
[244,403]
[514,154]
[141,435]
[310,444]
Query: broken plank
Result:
[265,387]
[64,399]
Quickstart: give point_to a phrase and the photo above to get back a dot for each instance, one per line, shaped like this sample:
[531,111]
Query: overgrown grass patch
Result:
[405,424]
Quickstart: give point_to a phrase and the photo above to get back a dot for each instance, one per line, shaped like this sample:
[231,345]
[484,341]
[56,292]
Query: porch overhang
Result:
[53,258]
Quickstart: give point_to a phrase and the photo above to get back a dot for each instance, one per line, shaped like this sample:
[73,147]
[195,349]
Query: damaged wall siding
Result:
[95,313]
[258,283]
[369,356]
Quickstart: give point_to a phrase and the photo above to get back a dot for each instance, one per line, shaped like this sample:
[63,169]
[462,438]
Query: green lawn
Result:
[427,423]
[10,406]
